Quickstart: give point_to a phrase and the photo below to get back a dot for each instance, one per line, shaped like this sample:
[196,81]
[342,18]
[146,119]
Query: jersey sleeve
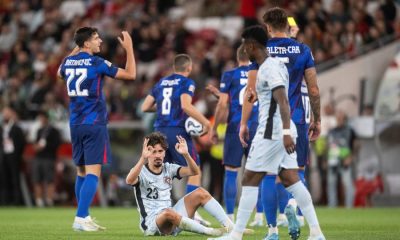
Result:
[274,76]
[153,91]
[226,82]
[253,66]
[173,170]
[309,62]
[107,68]
[189,87]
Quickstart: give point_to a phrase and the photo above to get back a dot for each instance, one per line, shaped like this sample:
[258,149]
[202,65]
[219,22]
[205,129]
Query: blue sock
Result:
[303,180]
[88,190]
[78,185]
[270,199]
[283,197]
[259,206]
[230,190]
[190,188]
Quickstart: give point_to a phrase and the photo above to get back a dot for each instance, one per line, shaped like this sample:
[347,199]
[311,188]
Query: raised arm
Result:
[279,94]
[133,175]
[313,92]
[149,104]
[189,109]
[129,72]
[221,115]
[192,169]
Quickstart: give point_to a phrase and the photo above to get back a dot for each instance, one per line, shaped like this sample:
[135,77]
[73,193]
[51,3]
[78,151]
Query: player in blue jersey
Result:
[299,61]
[229,109]
[171,98]
[273,146]
[83,74]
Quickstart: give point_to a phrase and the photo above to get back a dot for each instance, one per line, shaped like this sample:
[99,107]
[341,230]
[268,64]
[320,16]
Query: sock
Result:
[191,225]
[259,206]
[216,210]
[247,203]
[303,180]
[304,201]
[78,185]
[88,190]
[283,197]
[270,199]
[272,230]
[190,188]
[230,190]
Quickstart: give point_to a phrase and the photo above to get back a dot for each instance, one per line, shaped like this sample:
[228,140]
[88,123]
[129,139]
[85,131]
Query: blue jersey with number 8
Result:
[167,94]
[83,74]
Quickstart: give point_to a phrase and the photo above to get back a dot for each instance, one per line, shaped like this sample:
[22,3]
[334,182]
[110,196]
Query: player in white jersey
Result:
[152,181]
[273,147]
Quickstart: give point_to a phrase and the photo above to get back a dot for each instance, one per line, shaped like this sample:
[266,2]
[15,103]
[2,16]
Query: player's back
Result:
[83,74]
[234,84]
[167,94]
[297,58]
[271,74]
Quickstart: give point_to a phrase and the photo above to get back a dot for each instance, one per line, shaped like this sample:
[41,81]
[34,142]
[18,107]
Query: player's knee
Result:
[202,194]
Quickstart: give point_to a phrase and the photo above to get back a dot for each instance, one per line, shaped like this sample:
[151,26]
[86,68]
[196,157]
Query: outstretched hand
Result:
[147,150]
[126,40]
[181,146]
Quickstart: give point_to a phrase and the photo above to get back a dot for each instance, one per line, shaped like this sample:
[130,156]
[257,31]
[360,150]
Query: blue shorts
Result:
[233,149]
[302,144]
[172,156]
[90,144]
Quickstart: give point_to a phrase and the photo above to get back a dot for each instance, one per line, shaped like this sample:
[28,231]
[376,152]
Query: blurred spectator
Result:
[341,142]
[46,145]
[13,147]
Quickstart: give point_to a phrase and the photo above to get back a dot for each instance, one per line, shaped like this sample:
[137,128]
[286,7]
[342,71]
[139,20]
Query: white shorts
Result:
[152,228]
[269,156]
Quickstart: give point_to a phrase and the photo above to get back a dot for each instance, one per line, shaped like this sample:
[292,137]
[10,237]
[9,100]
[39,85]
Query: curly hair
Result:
[157,138]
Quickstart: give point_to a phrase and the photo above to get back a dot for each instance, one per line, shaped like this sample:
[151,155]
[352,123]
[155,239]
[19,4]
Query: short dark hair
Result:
[181,62]
[277,18]
[241,54]
[256,33]
[157,138]
[83,34]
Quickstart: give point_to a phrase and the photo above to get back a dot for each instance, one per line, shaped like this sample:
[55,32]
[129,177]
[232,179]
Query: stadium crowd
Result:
[36,35]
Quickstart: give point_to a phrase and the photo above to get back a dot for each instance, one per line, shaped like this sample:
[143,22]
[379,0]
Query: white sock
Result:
[191,225]
[293,203]
[272,230]
[231,217]
[304,201]
[216,210]
[247,203]
[259,216]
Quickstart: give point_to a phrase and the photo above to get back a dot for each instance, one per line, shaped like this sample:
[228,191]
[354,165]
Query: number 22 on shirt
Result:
[72,73]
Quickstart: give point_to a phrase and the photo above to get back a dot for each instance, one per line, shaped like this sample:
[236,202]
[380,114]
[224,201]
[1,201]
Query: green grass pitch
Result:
[123,223]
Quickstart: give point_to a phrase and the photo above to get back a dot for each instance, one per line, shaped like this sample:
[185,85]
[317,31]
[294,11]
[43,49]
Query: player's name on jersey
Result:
[284,50]
[170,82]
[80,62]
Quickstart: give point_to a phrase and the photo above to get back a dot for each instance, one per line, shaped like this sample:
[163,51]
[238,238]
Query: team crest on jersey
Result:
[108,63]
[168,180]
[191,88]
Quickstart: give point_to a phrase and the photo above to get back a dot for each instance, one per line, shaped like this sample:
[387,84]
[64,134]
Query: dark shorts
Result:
[90,144]
[172,156]
[302,144]
[43,170]
[233,149]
